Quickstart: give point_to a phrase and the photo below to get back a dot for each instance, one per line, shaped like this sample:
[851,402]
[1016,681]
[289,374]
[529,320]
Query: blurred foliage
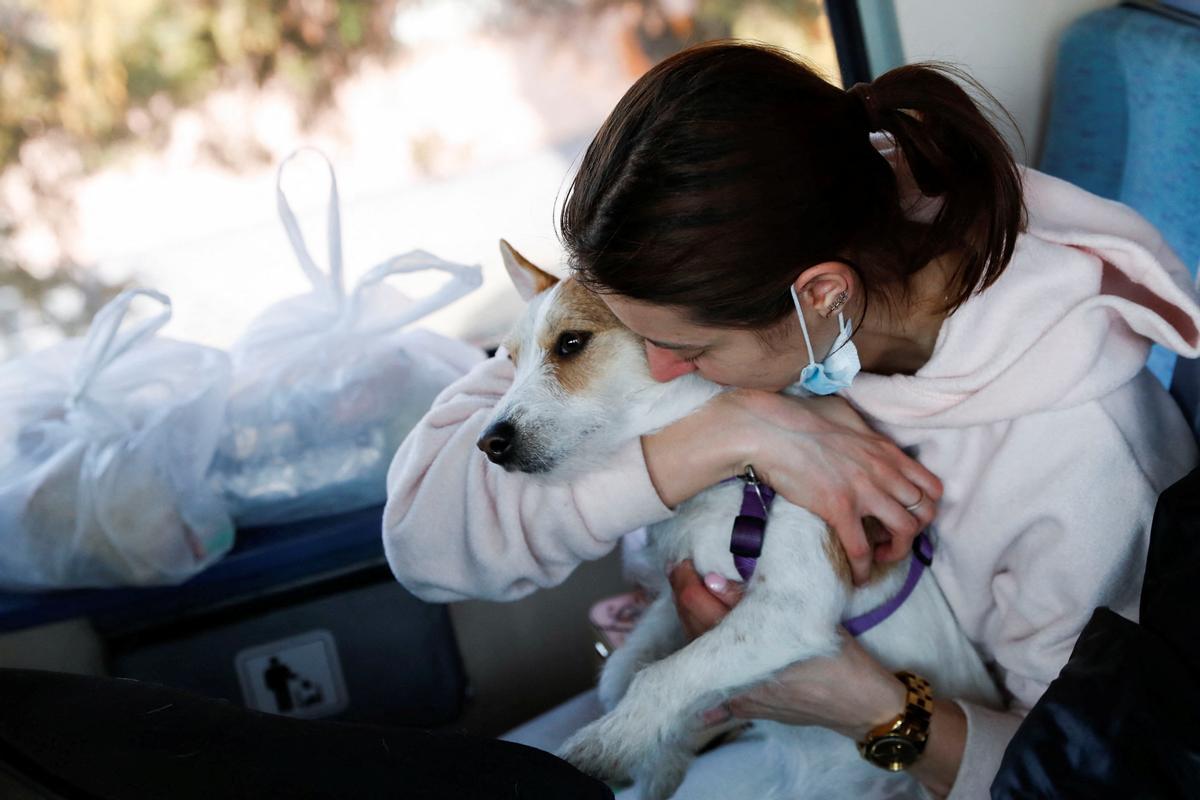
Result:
[660,28]
[80,66]
[64,299]
[87,74]
[692,20]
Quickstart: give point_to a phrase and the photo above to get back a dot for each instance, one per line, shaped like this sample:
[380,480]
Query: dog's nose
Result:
[496,442]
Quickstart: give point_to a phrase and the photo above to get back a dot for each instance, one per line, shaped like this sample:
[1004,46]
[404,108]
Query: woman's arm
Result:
[457,526]
[817,452]
[850,693]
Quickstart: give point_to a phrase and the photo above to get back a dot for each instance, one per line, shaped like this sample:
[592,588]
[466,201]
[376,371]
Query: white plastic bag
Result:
[327,384]
[104,446]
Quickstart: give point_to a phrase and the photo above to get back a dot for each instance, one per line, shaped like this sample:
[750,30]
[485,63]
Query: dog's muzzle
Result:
[515,450]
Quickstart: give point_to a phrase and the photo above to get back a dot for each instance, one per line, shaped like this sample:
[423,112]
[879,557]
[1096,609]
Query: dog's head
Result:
[581,384]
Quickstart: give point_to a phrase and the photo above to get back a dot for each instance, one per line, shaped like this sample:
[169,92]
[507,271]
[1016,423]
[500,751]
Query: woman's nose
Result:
[666,365]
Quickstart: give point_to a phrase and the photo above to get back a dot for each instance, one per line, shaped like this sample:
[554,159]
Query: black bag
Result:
[1122,720]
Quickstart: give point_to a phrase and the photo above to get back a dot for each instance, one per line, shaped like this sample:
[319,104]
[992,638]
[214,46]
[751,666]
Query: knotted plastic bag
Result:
[327,384]
[104,446]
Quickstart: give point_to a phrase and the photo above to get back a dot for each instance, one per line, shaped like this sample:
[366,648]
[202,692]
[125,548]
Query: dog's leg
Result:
[658,633]
[647,734]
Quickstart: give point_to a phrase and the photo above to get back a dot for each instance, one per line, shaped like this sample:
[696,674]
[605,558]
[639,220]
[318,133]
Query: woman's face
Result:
[676,346]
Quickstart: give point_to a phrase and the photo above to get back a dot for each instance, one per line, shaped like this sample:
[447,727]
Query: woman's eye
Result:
[572,342]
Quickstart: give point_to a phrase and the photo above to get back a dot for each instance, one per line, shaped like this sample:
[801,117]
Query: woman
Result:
[731,189]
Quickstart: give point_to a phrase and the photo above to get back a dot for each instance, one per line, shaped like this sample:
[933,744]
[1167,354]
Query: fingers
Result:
[902,523]
[699,607]
[910,499]
[684,576]
[743,707]
[904,471]
[716,715]
[698,610]
[922,478]
[850,533]
[681,575]
[756,702]
[905,508]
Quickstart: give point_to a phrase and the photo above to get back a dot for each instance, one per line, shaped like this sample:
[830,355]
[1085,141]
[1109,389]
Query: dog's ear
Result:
[528,279]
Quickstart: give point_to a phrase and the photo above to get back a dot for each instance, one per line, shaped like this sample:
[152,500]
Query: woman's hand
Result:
[701,604]
[850,693]
[820,455]
[816,452]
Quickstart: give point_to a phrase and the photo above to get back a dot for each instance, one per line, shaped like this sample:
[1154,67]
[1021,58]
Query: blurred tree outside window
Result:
[138,137]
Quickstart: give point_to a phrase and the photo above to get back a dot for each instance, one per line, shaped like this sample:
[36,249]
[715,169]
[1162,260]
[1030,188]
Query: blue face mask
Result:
[839,367]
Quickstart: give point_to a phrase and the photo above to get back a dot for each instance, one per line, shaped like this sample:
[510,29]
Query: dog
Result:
[581,388]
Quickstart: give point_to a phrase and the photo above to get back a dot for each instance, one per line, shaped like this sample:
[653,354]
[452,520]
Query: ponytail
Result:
[954,153]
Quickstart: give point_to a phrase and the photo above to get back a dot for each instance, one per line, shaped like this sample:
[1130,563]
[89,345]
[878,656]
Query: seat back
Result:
[1125,124]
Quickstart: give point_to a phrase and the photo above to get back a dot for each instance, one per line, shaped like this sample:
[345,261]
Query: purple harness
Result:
[746,541]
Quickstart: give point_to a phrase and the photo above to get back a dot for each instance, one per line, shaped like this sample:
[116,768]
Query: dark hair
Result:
[730,168]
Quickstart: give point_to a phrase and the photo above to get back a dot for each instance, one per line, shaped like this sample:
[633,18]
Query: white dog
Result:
[582,388]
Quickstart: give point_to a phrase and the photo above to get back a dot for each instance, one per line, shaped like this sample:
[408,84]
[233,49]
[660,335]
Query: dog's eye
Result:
[572,342]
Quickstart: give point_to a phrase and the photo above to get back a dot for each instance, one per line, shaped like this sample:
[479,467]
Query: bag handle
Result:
[331,283]
[105,342]
[463,279]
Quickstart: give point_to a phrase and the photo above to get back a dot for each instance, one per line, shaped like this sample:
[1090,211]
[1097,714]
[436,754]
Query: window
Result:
[139,138]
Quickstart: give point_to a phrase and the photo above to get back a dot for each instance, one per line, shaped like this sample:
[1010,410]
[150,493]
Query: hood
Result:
[1091,284]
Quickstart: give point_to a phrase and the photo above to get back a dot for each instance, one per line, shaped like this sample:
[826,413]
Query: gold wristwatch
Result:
[898,743]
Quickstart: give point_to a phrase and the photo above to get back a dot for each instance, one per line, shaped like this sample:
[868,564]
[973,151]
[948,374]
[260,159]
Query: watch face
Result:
[892,752]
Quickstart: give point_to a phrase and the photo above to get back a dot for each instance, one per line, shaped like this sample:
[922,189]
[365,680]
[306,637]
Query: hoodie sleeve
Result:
[1061,527]
[456,526]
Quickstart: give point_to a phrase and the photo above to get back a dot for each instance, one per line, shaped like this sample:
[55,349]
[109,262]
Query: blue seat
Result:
[1125,124]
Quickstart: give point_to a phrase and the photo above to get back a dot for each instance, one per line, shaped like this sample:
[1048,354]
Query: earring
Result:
[838,302]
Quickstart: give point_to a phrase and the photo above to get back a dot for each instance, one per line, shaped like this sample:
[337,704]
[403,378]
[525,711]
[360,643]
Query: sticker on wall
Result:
[300,676]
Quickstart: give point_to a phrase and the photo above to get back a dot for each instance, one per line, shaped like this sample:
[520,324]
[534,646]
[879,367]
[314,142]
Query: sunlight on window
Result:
[139,138]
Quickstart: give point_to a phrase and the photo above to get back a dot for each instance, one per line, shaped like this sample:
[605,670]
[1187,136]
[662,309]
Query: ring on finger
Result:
[914,506]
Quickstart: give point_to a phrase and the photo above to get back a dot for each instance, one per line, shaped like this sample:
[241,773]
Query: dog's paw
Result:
[624,744]
[593,750]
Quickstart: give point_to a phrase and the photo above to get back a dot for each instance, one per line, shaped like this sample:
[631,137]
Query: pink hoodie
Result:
[1051,439]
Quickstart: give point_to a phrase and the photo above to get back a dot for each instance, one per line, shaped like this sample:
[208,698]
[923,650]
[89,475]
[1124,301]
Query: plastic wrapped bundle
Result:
[104,445]
[327,384]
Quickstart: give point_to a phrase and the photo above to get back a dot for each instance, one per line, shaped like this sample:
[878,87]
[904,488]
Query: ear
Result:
[819,286]
[528,279]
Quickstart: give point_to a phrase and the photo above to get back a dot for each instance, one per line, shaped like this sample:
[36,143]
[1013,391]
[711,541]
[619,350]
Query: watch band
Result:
[899,742]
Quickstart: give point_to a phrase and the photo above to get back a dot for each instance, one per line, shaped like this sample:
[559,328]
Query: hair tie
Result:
[866,101]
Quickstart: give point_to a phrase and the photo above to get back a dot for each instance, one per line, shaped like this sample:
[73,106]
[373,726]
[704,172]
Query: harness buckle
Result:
[751,478]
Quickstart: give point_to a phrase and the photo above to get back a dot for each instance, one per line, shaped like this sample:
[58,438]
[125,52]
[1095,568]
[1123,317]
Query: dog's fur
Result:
[569,413]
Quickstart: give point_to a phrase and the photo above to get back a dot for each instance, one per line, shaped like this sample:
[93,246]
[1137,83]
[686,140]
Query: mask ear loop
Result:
[845,333]
[812,359]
